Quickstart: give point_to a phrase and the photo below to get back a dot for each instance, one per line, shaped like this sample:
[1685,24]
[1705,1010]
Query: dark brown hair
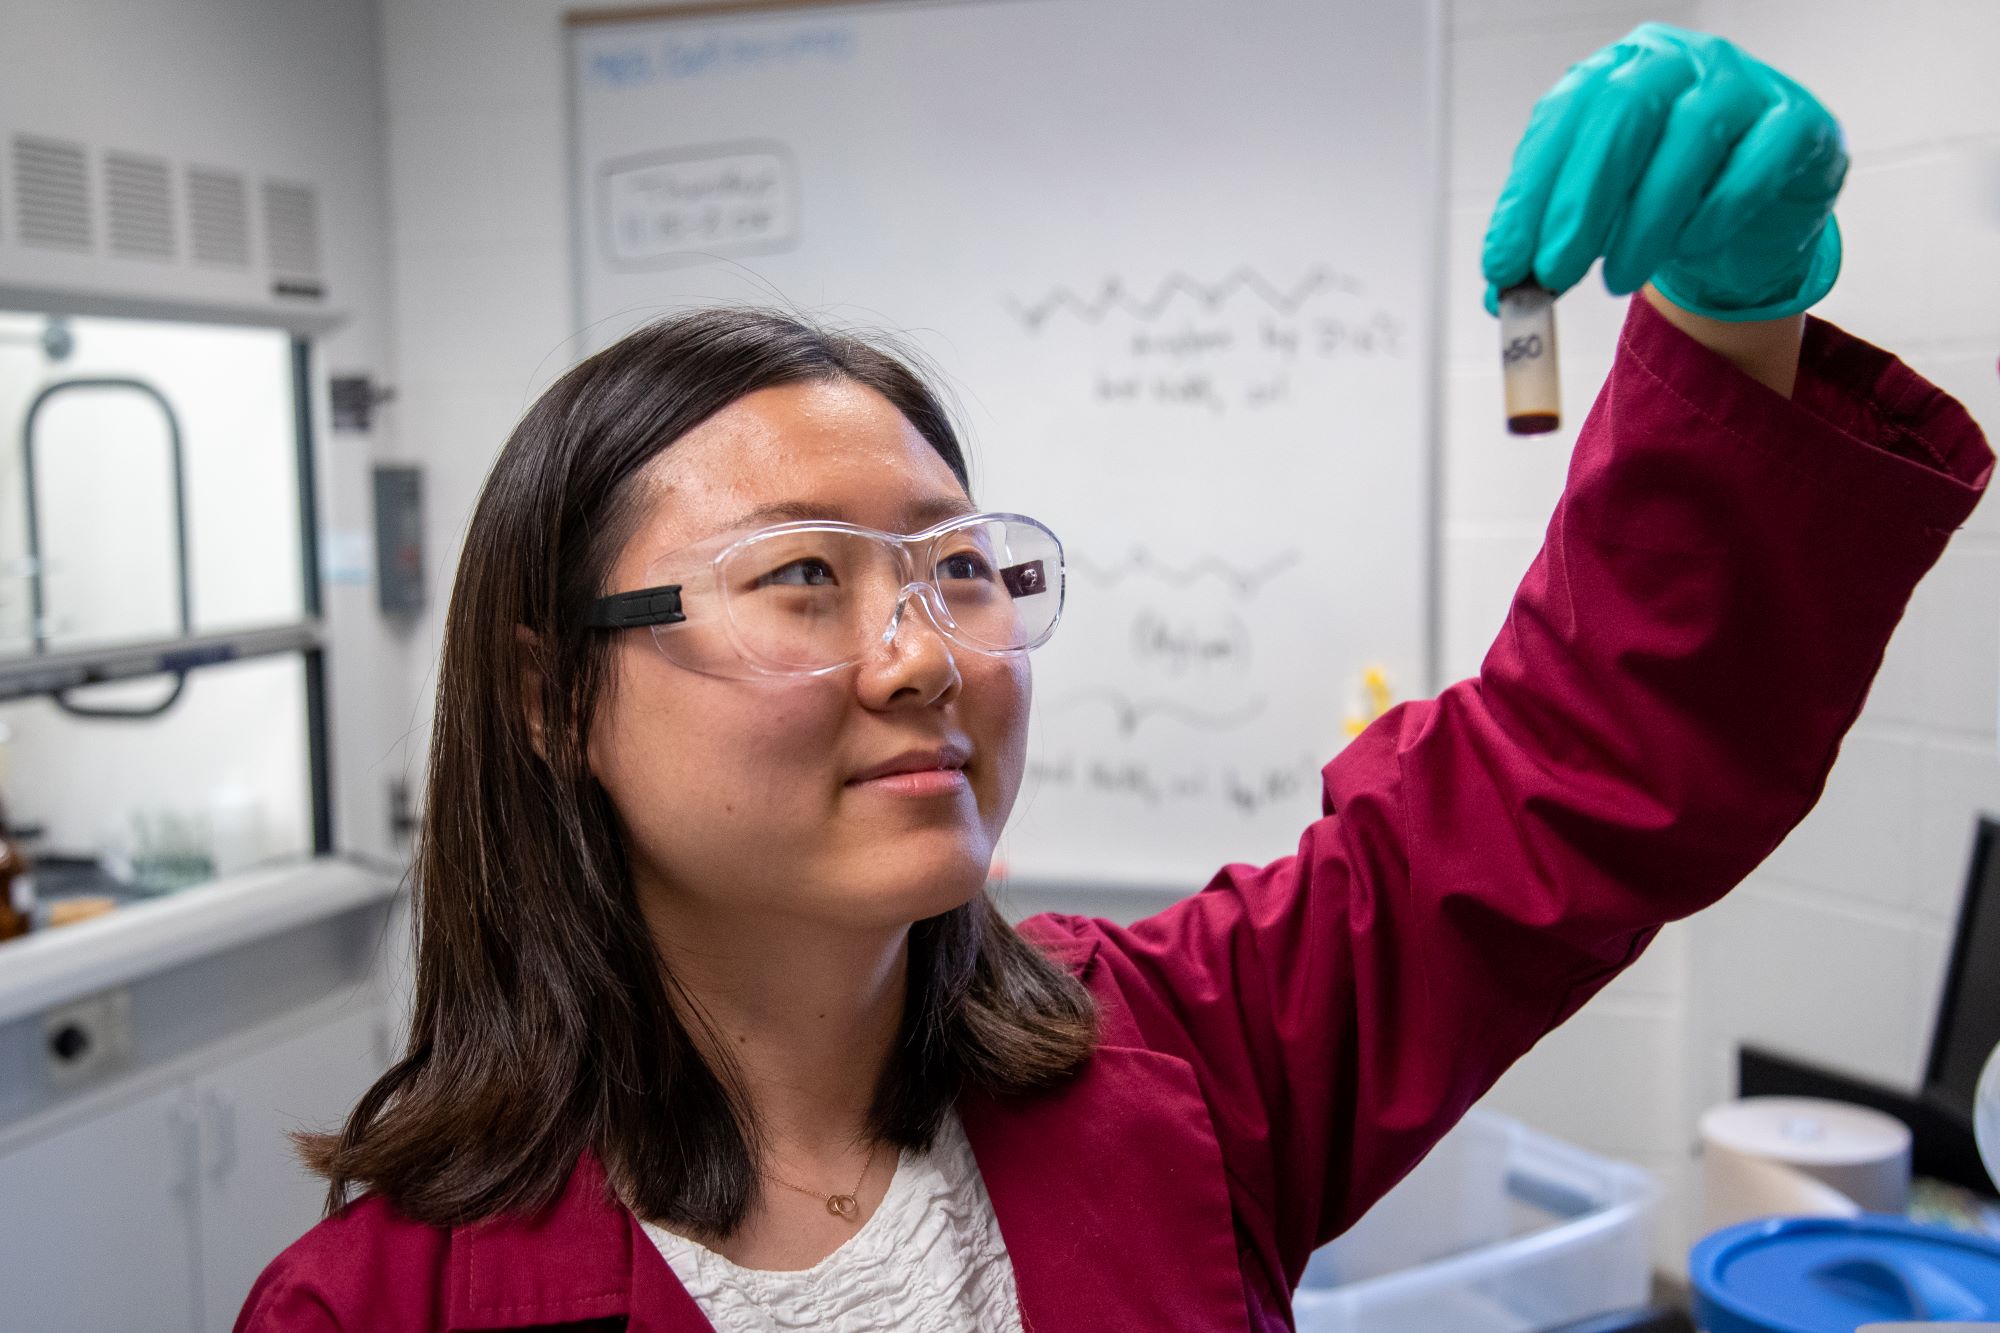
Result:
[541,1025]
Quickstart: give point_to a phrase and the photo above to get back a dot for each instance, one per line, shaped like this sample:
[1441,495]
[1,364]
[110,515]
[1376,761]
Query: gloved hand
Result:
[1682,161]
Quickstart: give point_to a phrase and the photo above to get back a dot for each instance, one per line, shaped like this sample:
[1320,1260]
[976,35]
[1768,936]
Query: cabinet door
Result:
[98,1224]
[255,1196]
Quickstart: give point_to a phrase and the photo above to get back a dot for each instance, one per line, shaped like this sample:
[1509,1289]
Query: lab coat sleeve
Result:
[1701,626]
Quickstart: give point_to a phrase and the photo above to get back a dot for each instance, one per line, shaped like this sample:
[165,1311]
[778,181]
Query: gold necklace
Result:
[840,1205]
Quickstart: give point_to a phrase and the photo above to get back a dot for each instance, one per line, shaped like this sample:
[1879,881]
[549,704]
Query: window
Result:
[161,692]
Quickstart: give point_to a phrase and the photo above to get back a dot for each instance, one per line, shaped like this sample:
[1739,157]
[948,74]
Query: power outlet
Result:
[89,1038]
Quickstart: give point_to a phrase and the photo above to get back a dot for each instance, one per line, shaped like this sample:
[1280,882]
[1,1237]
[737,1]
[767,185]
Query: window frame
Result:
[51,673]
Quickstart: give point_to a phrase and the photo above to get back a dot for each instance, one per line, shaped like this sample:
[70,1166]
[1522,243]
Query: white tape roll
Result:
[1800,1156]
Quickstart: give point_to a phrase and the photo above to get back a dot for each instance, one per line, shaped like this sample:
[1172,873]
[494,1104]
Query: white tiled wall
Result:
[1835,949]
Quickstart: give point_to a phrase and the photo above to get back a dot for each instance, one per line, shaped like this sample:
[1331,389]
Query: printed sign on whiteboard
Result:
[690,204]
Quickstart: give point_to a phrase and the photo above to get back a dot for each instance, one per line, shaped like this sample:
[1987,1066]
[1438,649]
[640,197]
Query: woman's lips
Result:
[924,782]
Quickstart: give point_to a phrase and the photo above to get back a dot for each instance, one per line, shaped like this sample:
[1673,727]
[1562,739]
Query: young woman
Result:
[714,1024]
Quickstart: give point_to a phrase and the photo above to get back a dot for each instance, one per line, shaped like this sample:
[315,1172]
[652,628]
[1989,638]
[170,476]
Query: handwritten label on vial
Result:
[1528,359]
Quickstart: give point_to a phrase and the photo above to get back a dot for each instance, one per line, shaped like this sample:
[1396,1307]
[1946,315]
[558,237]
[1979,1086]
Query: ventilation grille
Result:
[117,205]
[138,206]
[291,229]
[218,217]
[51,193]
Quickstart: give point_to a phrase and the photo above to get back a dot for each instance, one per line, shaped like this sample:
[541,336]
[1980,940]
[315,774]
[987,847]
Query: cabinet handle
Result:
[221,1116]
[184,1123]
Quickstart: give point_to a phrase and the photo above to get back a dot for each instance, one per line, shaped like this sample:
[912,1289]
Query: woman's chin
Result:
[914,887]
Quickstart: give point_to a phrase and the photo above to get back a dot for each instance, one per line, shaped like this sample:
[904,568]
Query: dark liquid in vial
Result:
[1532,423]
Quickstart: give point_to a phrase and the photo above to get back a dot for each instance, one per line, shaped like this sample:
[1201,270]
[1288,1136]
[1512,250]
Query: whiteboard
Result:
[1175,261]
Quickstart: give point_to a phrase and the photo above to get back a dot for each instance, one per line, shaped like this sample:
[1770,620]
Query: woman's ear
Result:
[531,688]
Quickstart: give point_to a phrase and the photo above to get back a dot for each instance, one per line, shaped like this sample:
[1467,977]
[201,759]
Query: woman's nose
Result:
[915,654]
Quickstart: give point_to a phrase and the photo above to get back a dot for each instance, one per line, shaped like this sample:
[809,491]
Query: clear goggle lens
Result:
[804,598]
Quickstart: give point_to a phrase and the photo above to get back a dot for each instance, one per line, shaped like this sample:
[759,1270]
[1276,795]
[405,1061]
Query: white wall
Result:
[1834,950]
[285,86]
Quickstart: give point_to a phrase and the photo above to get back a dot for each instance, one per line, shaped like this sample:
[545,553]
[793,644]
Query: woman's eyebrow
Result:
[918,513]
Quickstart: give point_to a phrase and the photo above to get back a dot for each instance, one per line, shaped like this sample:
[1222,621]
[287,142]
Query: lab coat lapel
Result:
[584,1262]
[1111,1198]
[574,1261]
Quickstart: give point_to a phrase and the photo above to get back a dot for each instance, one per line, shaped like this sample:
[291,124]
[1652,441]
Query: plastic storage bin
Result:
[1499,1230]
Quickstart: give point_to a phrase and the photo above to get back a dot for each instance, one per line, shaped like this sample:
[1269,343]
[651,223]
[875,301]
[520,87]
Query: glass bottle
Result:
[17,888]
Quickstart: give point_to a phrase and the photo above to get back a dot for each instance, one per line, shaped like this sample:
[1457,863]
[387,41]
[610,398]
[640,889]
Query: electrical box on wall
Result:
[399,538]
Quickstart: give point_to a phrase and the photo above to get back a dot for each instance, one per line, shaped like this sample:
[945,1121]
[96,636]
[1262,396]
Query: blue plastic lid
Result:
[1830,1274]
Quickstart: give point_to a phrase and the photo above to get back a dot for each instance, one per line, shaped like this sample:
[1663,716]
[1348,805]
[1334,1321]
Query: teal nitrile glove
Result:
[1682,161]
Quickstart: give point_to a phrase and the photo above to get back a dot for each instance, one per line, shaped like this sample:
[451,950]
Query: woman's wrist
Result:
[1765,350]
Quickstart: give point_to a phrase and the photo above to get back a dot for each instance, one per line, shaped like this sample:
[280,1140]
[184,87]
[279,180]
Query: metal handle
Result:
[183,1122]
[36,573]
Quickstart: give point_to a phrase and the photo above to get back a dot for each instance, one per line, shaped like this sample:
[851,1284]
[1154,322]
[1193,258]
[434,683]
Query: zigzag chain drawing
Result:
[1246,582]
[1113,295]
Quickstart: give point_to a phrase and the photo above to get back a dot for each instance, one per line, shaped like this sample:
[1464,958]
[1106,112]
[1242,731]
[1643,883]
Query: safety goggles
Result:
[807,598]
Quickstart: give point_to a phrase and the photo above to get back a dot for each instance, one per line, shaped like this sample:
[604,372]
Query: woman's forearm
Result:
[1765,350]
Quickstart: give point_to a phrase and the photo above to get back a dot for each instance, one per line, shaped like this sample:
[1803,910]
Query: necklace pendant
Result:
[842,1205]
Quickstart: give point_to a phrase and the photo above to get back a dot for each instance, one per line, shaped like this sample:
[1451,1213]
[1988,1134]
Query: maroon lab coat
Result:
[1665,699]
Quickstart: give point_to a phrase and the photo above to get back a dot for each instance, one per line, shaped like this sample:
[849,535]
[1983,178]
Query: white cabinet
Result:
[98,1229]
[161,1213]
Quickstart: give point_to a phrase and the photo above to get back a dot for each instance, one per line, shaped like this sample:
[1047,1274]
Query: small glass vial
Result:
[1528,359]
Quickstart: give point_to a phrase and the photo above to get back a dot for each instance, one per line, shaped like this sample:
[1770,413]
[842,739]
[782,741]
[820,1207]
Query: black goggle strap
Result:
[629,610]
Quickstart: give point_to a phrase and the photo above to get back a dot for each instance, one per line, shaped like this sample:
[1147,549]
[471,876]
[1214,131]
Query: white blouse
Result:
[929,1260]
